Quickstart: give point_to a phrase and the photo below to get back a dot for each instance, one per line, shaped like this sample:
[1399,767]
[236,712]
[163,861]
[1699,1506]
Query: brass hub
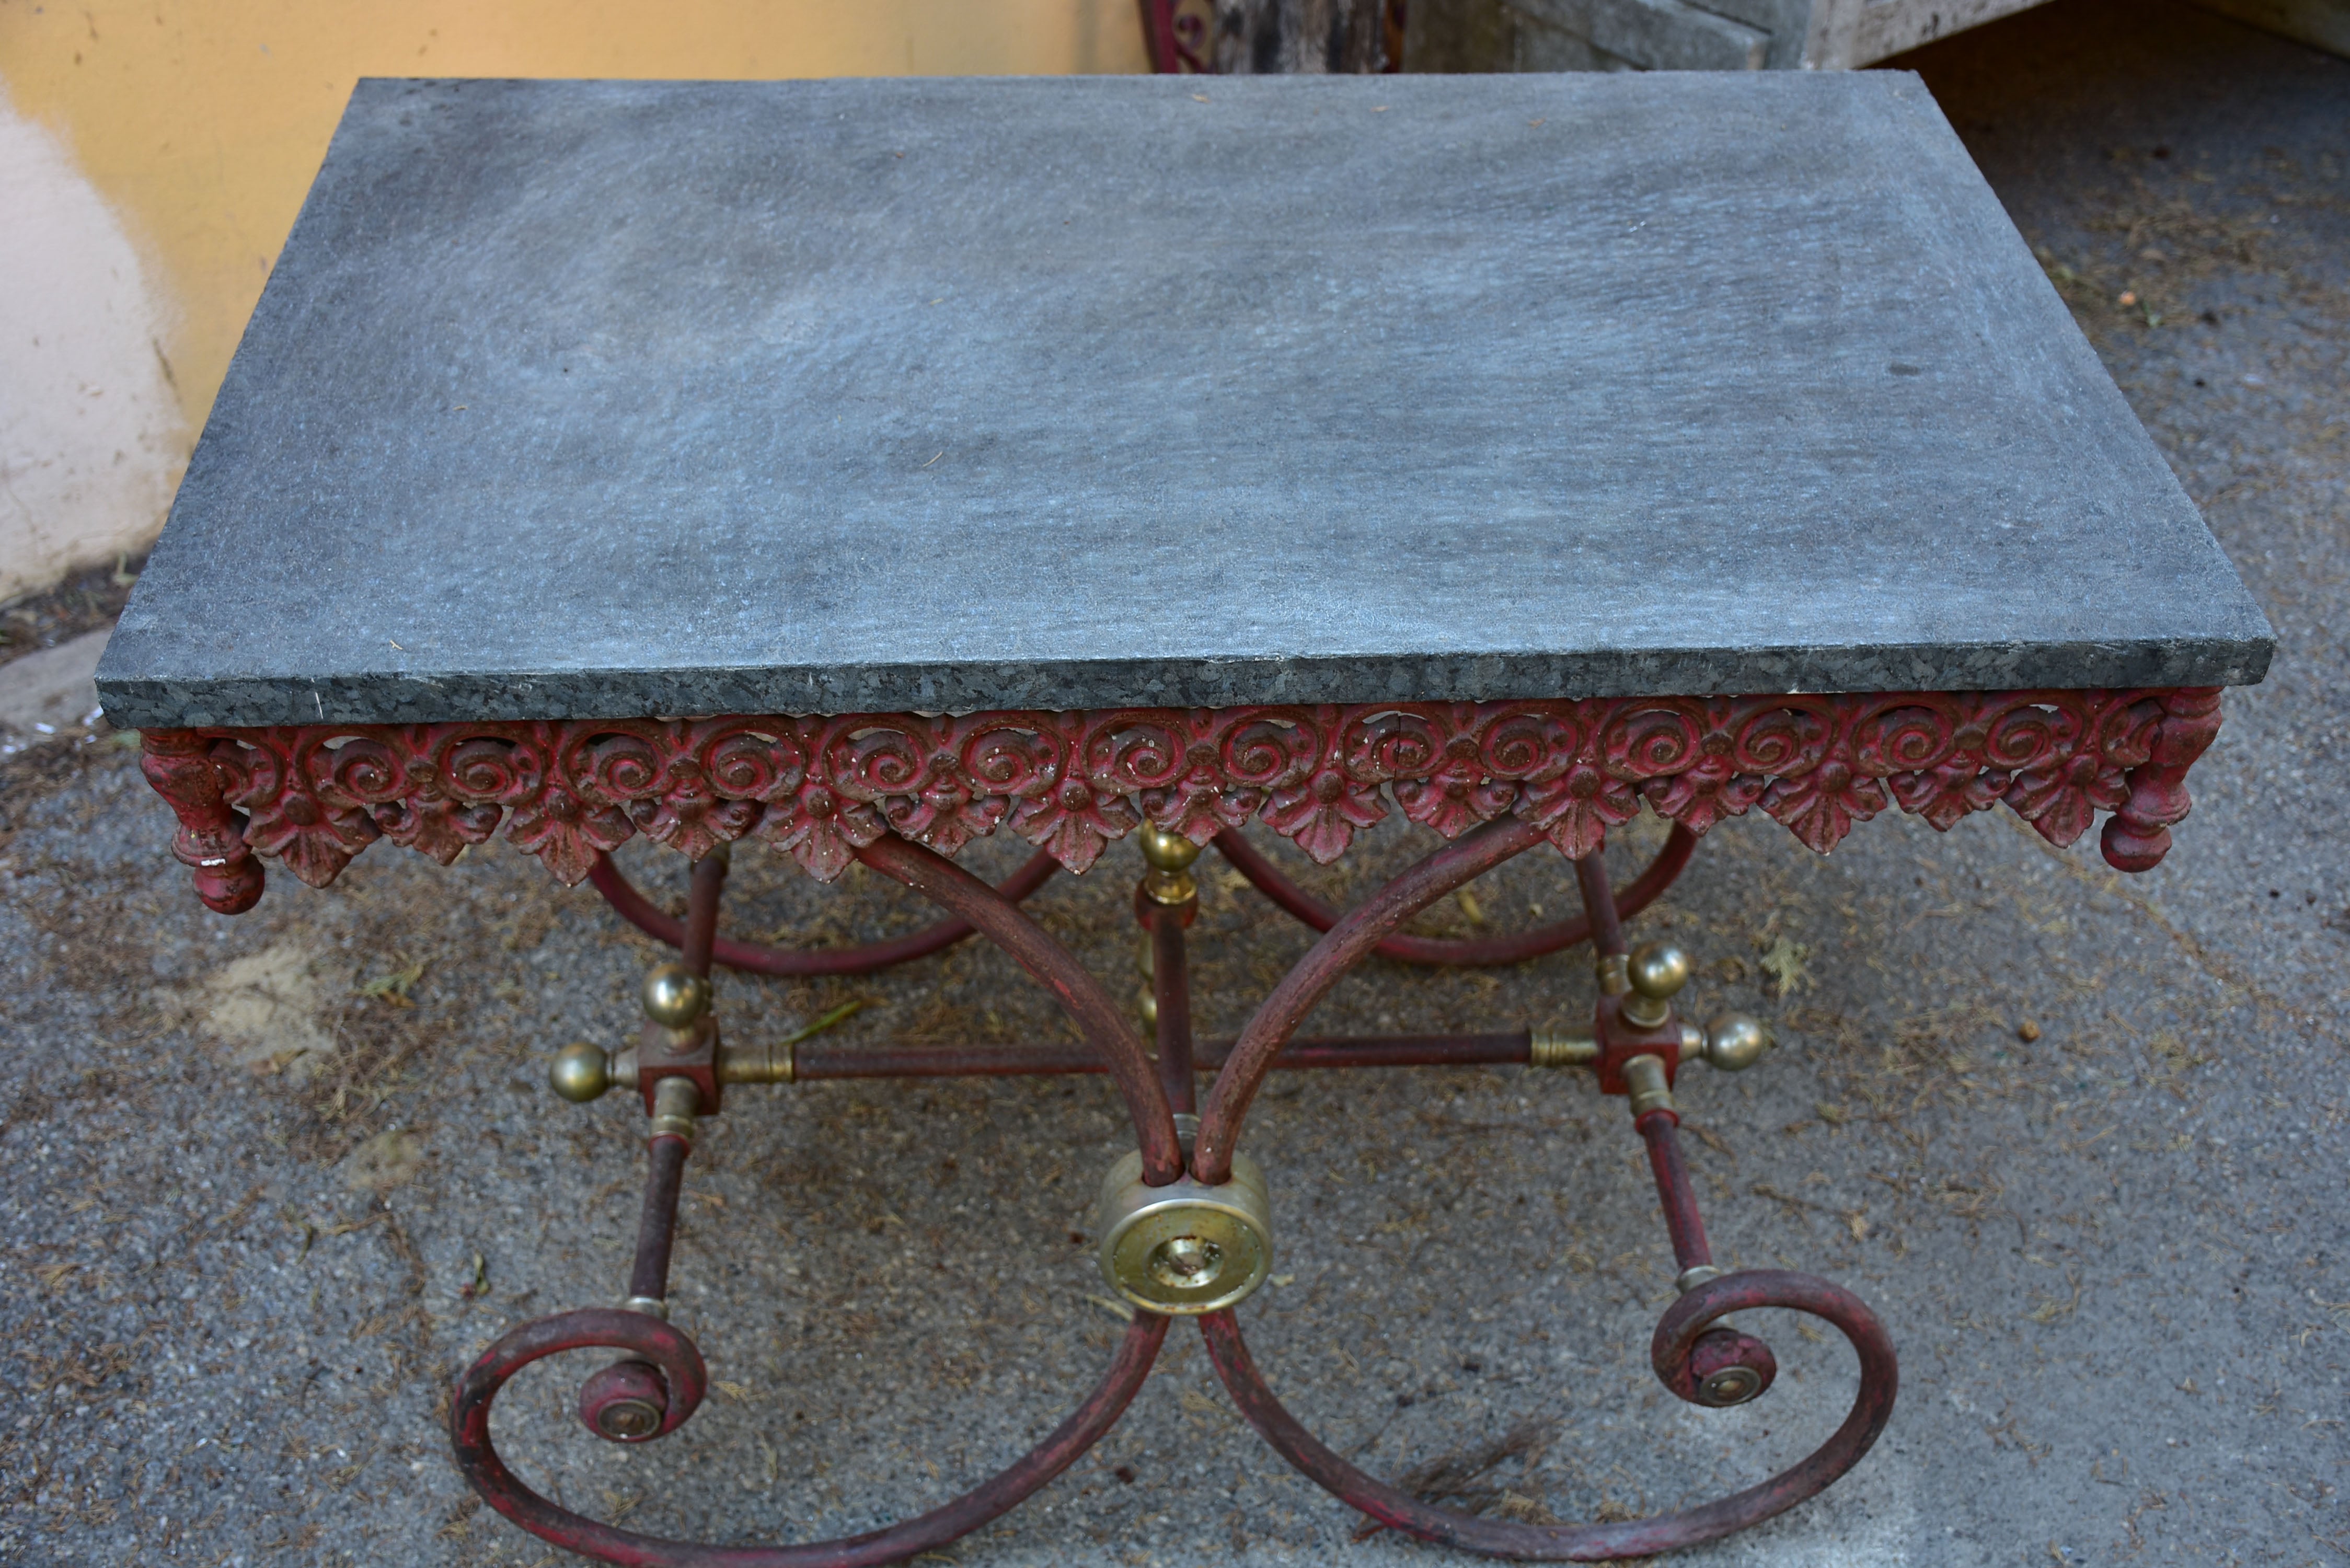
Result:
[1185,1248]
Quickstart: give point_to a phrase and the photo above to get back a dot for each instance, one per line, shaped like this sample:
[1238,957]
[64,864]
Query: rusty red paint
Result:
[1170,983]
[210,840]
[1344,945]
[1678,1336]
[623,1386]
[1660,1131]
[657,1220]
[651,1341]
[758,958]
[568,791]
[1481,953]
[755,958]
[1098,1018]
[818,1060]
[662,1372]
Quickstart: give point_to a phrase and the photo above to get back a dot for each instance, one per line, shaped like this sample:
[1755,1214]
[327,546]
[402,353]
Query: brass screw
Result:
[1731,1386]
[1187,1262]
[627,1419]
[675,996]
[580,1072]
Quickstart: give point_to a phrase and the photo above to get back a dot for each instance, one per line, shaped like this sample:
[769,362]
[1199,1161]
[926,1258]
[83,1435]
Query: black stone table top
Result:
[576,399]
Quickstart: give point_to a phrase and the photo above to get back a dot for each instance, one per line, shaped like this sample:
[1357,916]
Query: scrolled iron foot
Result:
[664,1375]
[679,1372]
[627,1402]
[1679,1354]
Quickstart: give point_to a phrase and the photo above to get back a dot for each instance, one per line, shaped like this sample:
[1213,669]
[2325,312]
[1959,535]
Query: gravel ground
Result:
[274,1179]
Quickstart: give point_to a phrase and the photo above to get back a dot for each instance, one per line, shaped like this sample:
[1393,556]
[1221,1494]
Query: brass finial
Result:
[580,1072]
[1734,1042]
[1170,855]
[675,996]
[1655,971]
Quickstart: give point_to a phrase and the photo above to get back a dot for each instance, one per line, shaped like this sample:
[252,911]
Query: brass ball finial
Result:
[1734,1042]
[675,996]
[1167,850]
[1170,855]
[580,1072]
[1658,970]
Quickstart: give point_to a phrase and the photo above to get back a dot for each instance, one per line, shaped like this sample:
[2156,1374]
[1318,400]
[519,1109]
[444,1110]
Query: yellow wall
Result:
[202,121]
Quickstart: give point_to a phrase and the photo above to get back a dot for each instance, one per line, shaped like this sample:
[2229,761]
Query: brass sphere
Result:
[1165,850]
[1657,969]
[675,996]
[580,1072]
[1734,1042]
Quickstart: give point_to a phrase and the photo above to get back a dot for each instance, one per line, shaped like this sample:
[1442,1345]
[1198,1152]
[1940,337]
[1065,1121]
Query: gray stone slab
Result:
[572,400]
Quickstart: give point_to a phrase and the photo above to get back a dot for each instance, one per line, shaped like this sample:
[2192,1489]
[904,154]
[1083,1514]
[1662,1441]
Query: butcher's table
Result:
[865,467]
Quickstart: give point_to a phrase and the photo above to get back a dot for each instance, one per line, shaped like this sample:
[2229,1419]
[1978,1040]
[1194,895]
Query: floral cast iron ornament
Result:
[820,788]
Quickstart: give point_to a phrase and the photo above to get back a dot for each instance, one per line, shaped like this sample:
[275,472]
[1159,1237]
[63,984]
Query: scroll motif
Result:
[823,788]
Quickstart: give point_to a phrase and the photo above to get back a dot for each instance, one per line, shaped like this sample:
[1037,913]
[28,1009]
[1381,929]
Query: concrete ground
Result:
[2080,1138]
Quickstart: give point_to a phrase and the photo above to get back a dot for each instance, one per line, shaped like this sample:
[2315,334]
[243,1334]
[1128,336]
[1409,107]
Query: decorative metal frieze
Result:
[820,788]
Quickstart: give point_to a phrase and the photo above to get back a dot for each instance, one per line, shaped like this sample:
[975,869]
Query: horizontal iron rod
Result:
[814,1060]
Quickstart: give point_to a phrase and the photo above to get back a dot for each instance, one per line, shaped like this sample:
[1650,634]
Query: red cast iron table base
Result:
[894,791]
[652,1392]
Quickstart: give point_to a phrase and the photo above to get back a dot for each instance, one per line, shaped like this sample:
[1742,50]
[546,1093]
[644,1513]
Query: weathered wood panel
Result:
[1290,37]
[1847,34]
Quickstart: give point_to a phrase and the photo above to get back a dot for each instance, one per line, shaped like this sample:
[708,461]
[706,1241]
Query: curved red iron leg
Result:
[758,958]
[658,1386]
[1696,1361]
[651,1341]
[1481,953]
[1340,949]
[1098,1018]
[1723,1366]
[1680,1330]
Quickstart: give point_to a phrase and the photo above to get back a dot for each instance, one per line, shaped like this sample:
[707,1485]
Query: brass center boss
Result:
[1185,1248]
